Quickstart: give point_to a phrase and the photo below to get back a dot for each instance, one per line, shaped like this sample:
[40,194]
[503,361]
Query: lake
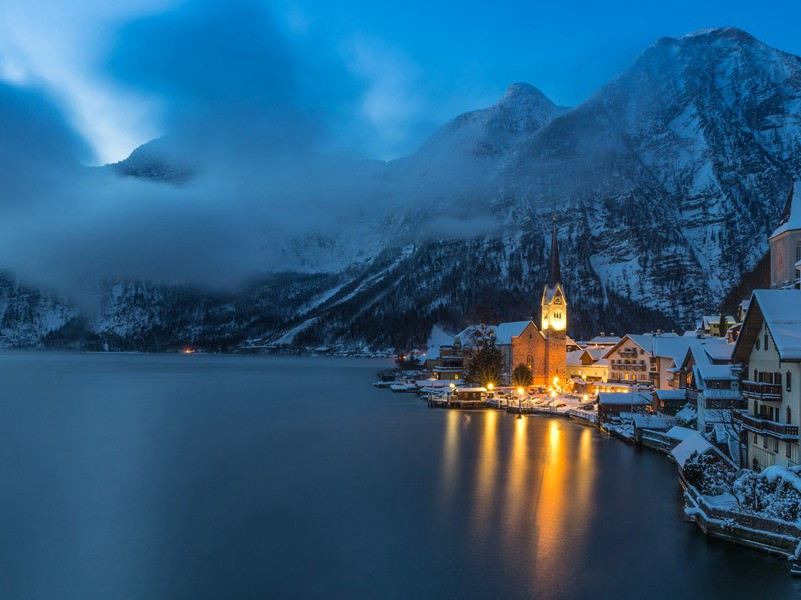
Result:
[172,476]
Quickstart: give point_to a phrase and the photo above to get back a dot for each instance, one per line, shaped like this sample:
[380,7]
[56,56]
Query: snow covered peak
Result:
[522,110]
[523,92]
[731,33]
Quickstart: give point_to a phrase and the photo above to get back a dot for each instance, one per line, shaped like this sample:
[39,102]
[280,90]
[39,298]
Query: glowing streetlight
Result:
[490,386]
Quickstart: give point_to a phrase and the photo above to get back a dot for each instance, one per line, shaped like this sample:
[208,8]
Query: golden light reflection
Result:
[486,476]
[516,488]
[450,455]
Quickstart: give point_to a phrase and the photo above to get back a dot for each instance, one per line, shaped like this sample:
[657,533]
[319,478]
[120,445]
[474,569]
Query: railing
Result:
[763,426]
[756,390]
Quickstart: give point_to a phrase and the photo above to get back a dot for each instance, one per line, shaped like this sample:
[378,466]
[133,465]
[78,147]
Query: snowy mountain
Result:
[666,184]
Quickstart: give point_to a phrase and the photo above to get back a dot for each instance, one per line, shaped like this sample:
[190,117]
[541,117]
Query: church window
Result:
[788,383]
[757,344]
[789,415]
[766,340]
[798,251]
[530,362]
[557,300]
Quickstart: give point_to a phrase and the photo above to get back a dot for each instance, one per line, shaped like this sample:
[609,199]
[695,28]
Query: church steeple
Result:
[554,304]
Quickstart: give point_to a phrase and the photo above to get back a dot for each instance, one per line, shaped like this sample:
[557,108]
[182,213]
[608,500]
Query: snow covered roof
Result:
[679,433]
[437,338]
[506,331]
[670,394]
[780,310]
[645,421]
[693,442]
[621,398]
[608,340]
[792,220]
[713,372]
[719,351]
[574,358]
[465,337]
[596,353]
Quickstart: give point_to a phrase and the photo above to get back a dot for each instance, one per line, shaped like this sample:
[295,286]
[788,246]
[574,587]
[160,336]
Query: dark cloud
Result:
[247,110]
[228,76]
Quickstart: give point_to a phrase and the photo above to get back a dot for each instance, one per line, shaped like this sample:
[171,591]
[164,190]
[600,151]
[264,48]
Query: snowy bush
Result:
[707,474]
[776,492]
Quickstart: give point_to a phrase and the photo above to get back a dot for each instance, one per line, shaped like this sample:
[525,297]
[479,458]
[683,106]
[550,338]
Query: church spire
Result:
[554,274]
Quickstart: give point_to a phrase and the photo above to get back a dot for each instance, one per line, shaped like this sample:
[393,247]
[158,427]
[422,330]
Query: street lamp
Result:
[520,392]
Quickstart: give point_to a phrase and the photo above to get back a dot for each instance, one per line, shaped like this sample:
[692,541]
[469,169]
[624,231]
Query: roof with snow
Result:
[791,218]
[679,434]
[506,331]
[670,394]
[574,358]
[693,442]
[621,398]
[649,422]
[705,373]
[437,338]
[607,340]
[780,310]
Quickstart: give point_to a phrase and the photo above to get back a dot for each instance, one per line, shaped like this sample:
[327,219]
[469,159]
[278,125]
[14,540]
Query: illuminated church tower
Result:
[554,319]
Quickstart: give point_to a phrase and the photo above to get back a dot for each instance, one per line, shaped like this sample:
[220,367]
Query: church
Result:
[544,350]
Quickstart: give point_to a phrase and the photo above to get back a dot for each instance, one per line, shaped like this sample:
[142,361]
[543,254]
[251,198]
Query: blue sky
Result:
[362,77]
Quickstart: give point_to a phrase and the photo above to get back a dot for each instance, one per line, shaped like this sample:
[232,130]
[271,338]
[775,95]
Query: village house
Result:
[587,364]
[716,325]
[668,402]
[769,350]
[615,404]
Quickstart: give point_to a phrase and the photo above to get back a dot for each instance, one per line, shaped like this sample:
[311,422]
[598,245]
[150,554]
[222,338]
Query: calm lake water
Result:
[173,476]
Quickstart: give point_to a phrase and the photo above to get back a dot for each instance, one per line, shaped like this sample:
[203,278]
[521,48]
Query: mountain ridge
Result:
[667,182]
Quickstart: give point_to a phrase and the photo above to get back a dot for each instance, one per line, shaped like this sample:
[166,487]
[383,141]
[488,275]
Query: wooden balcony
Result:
[765,427]
[755,390]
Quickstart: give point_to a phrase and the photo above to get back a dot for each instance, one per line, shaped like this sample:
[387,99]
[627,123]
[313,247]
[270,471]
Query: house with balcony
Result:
[656,358]
[587,364]
[769,352]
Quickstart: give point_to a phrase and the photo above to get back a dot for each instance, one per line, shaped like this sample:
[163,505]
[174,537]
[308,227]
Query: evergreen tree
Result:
[521,376]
